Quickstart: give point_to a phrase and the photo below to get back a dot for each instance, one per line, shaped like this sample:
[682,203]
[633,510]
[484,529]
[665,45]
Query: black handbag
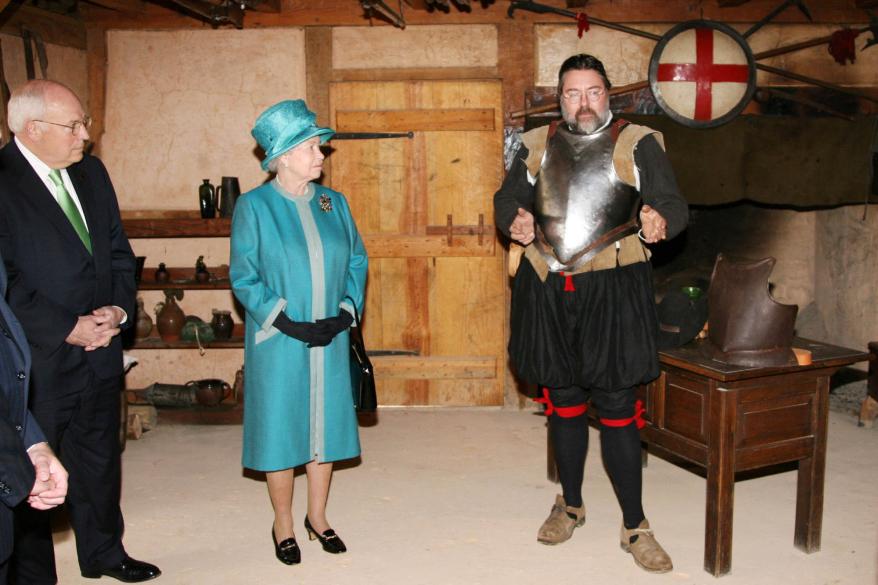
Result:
[362,374]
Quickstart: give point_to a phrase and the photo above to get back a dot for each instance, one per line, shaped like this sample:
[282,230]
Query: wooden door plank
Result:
[424,120]
[444,367]
[405,246]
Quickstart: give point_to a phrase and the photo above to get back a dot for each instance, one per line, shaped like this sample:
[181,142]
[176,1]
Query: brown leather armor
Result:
[747,327]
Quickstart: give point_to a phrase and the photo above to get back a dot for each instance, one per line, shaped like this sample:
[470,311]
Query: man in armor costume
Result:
[583,323]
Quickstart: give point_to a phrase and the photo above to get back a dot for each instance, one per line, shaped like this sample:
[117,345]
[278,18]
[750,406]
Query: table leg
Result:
[720,482]
[812,470]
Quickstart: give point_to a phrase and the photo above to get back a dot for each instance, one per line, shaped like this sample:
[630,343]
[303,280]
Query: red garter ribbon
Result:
[624,422]
[563,411]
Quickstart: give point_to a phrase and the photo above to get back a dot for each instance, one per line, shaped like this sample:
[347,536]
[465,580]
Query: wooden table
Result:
[727,419]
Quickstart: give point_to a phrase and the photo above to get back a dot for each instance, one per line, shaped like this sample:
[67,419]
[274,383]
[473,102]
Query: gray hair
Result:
[28,102]
[272,164]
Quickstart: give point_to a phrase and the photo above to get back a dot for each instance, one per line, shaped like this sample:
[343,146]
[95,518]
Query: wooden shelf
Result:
[177,227]
[154,341]
[185,278]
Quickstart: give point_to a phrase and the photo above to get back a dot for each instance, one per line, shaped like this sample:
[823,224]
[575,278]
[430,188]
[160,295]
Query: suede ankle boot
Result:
[559,526]
[648,553]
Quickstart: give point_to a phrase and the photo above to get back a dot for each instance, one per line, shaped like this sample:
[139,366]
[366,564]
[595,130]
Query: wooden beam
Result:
[318,74]
[414,120]
[349,13]
[96,61]
[53,28]
[134,7]
[435,367]
[3,5]
[416,73]
[516,63]
[268,6]
[417,4]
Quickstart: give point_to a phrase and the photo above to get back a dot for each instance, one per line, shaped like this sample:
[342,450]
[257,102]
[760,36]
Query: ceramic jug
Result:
[169,316]
[227,194]
[143,326]
[222,324]
[209,392]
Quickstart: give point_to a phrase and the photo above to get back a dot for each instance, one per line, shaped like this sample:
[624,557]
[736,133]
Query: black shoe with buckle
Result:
[329,539]
[286,551]
[128,571]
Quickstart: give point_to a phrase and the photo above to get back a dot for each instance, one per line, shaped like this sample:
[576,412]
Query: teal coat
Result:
[301,255]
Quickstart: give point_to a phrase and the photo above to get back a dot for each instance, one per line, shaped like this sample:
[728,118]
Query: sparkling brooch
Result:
[325,203]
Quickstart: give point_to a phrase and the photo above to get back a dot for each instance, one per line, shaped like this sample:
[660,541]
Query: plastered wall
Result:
[66,65]
[846,274]
[415,47]
[180,107]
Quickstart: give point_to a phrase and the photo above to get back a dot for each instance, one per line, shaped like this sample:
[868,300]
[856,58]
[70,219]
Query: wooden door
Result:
[436,293]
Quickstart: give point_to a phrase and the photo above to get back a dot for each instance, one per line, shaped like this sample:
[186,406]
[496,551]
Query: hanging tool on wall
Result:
[227,12]
[381,7]
[32,39]
[583,20]
[800,4]
[371,135]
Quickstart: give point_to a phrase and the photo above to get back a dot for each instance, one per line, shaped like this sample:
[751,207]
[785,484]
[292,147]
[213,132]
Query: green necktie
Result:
[69,208]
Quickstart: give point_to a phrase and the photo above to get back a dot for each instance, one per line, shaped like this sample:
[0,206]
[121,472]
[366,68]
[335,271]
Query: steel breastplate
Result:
[581,205]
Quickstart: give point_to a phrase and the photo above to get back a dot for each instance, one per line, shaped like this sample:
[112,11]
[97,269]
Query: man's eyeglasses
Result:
[593,94]
[75,127]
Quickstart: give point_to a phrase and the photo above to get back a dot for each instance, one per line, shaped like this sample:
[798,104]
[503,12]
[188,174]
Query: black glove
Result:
[336,325]
[314,334]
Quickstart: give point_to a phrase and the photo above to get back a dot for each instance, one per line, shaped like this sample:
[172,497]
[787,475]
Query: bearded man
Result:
[583,323]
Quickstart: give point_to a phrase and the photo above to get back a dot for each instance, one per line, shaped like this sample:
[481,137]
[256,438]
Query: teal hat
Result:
[284,125]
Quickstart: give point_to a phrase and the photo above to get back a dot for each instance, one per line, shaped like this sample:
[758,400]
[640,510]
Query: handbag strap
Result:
[356,313]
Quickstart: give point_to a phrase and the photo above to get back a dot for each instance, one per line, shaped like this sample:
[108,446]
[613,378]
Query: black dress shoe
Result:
[129,571]
[329,539]
[286,551]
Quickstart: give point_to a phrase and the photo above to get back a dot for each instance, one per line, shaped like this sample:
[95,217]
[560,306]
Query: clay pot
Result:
[222,324]
[143,325]
[169,318]
[210,392]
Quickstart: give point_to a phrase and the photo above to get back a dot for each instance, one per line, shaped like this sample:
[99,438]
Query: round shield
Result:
[702,73]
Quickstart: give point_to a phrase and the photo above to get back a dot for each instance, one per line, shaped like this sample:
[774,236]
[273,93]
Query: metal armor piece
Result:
[747,327]
[581,204]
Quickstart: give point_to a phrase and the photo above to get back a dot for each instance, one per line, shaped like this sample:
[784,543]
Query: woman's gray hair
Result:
[28,103]
[272,164]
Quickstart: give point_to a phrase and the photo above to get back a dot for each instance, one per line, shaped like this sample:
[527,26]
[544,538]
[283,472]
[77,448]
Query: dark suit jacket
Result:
[52,277]
[18,429]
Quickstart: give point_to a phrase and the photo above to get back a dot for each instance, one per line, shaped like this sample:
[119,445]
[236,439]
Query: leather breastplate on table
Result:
[581,204]
[746,326]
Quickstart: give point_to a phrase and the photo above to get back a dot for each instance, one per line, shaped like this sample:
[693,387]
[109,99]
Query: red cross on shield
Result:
[702,73]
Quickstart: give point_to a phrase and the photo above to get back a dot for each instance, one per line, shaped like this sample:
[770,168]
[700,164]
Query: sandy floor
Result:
[455,496]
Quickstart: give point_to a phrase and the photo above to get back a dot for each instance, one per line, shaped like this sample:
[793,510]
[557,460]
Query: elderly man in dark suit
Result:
[71,285]
[28,467]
